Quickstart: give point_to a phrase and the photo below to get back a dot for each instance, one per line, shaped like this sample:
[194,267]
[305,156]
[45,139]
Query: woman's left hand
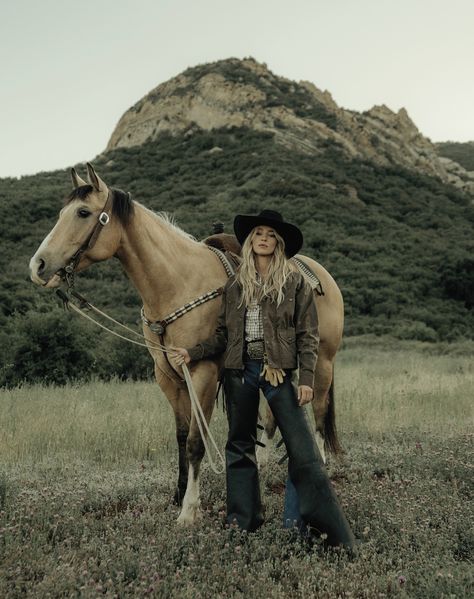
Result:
[305,395]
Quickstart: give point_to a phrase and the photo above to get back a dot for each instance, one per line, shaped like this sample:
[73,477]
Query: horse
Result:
[170,268]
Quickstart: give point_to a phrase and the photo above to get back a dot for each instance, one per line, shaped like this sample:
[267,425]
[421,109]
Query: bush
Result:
[458,281]
[415,330]
[47,348]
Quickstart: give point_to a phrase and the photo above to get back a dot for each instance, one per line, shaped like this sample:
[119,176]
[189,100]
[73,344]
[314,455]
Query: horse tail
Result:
[330,430]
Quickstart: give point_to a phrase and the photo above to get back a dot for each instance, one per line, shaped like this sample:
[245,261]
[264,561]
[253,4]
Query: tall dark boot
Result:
[319,506]
[244,505]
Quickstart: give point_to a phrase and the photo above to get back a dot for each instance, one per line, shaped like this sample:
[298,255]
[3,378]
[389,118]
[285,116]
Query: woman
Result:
[267,328]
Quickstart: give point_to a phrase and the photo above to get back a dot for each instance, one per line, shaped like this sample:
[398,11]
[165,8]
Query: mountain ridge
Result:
[244,93]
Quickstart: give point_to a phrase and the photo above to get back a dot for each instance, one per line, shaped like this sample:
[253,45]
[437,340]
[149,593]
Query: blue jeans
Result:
[291,510]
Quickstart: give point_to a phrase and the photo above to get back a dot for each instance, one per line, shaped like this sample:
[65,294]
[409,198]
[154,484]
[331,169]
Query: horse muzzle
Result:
[42,274]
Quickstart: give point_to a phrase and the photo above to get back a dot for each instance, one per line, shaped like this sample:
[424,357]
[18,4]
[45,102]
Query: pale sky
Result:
[69,70]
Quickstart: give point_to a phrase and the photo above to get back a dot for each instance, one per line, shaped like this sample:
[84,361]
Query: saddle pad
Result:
[309,275]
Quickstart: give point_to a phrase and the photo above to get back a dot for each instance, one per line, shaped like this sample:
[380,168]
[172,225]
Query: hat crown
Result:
[273,214]
[292,236]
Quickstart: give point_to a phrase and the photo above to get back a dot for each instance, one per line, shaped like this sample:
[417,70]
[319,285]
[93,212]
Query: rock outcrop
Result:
[244,93]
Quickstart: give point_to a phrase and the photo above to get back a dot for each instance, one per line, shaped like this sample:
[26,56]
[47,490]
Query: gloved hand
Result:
[273,375]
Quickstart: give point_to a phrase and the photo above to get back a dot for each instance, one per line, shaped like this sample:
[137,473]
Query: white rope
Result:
[196,407]
[151,343]
[120,324]
[202,423]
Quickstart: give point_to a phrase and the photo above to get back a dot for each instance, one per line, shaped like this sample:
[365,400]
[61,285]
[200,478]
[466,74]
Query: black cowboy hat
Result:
[292,236]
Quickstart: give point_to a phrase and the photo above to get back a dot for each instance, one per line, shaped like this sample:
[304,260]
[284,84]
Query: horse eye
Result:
[83,213]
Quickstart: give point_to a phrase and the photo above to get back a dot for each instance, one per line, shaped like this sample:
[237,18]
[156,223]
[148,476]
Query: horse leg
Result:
[205,384]
[175,395]
[323,407]
[269,428]
[182,432]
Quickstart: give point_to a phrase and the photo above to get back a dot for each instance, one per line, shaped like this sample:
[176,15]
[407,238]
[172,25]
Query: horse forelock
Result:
[122,204]
[80,193]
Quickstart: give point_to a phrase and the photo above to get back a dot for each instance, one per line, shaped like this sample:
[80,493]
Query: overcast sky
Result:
[69,70]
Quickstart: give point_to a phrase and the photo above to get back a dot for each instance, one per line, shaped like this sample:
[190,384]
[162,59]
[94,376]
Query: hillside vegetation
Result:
[399,244]
[462,153]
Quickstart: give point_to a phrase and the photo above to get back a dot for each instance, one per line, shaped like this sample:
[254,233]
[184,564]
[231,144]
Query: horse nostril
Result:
[41,266]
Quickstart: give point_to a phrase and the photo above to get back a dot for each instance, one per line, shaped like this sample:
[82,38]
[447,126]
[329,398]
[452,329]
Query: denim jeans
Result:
[291,511]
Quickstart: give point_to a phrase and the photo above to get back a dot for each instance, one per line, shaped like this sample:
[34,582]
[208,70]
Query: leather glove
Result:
[273,375]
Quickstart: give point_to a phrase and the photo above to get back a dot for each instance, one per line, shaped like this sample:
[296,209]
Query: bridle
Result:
[67,273]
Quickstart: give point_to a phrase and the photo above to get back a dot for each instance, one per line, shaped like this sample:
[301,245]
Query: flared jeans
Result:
[318,505]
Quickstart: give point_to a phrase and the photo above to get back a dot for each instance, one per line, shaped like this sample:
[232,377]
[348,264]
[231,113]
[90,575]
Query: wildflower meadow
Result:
[87,475]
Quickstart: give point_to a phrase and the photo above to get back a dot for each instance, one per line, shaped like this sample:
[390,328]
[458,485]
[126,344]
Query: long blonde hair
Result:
[253,290]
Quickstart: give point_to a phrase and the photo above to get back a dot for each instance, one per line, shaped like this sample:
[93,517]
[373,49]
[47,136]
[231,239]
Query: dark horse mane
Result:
[122,204]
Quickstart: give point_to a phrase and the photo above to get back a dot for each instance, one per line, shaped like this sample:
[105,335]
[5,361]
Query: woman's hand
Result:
[180,356]
[305,395]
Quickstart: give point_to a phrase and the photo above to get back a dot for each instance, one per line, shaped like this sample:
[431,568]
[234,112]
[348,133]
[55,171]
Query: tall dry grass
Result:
[377,392]
[100,422]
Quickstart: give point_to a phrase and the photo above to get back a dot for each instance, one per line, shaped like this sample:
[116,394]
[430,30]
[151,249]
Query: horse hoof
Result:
[190,516]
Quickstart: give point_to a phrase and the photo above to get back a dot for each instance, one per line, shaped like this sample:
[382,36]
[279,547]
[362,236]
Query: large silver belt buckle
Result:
[255,350]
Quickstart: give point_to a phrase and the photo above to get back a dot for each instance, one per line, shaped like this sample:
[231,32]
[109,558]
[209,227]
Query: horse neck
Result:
[165,266]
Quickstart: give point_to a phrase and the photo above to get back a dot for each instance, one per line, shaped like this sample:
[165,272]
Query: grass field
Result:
[87,474]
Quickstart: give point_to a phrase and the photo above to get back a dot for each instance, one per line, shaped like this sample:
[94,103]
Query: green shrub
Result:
[415,330]
[458,281]
[48,348]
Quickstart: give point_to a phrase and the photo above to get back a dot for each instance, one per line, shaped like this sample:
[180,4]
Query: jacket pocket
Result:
[288,336]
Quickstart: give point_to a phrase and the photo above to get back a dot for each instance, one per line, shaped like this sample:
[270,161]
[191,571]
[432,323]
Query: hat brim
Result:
[292,236]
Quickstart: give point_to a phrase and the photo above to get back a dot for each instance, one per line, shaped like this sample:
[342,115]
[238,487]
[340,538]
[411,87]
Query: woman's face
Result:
[264,241]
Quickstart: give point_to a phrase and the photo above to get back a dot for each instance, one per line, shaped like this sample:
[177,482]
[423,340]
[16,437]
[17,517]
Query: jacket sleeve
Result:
[217,342]
[307,332]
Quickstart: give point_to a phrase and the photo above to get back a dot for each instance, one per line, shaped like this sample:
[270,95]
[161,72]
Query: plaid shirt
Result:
[253,323]
[253,318]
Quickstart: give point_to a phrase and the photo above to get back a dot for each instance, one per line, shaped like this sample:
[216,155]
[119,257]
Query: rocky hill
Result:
[244,93]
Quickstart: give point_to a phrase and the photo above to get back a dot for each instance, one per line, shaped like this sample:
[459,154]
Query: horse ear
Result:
[94,179]
[76,180]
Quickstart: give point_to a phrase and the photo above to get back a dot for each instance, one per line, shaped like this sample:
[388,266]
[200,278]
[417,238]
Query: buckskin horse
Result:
[169,268]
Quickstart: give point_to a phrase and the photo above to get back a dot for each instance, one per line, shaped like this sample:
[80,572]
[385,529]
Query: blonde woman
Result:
[267,329]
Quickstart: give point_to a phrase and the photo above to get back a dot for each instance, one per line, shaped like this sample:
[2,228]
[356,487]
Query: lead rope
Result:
[196,408]
[202,423]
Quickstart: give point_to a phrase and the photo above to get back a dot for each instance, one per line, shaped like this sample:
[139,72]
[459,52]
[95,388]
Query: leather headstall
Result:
[67,272]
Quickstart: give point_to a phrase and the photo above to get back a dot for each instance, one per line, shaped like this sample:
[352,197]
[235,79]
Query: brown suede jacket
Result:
[290,330]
